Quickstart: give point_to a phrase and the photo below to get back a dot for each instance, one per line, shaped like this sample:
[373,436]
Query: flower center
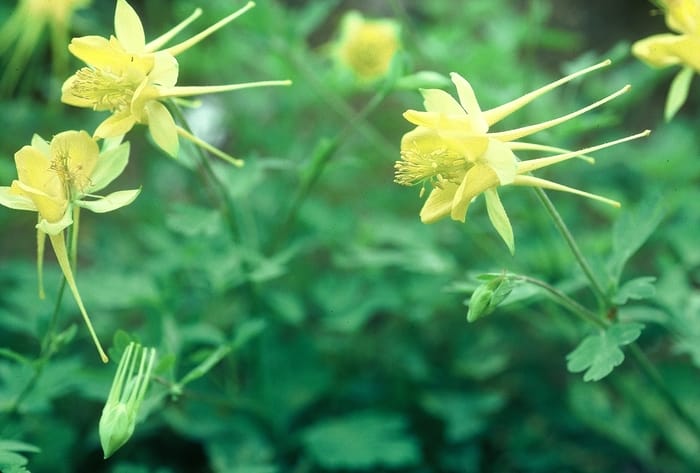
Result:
[106,91]
[433,167]
[73,177]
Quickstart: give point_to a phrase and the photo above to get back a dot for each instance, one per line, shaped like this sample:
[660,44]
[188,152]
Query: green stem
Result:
[321,158]
[657,380]
[565,301]
[208,171]
[47,351]
[640,358]
[573,246]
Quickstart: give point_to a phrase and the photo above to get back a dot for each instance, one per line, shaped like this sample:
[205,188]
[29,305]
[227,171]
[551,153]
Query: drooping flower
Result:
[452,150]
[56,179]
[21,34]
[669,49]
[366,47]
[133,79]
[119,415]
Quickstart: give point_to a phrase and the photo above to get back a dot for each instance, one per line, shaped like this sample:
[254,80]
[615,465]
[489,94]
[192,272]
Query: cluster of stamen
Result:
[435,167]
[74,180]
[106,91]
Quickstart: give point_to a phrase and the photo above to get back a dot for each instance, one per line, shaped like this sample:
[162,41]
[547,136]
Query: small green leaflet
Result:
[678,92]
[636,289]
[599,354]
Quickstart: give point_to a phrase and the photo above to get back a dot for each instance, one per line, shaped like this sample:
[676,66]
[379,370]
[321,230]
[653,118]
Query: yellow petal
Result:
[162,127]
[188,43]
[40,183]
[668,49]
[163,39]
[165,70]
[499,218]
[59,246]
[469,102]
[497,114]
[683,15]
[82,152]
[439,101]
[499,157]
[532,181]
[529,130]
[116,125]
[476,180]
[128,28]
[439,203]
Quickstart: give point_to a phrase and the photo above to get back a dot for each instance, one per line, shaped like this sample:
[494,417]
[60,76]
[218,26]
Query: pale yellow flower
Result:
[21,33]
[452,150]
[366,47]
[56,179]
[132,79]
[668,49]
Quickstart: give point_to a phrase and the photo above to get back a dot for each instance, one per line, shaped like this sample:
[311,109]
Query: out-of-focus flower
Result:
[452,150]
[668,49]
[366,47]
[21,32]
[132,79]
[128,390]
[55,180]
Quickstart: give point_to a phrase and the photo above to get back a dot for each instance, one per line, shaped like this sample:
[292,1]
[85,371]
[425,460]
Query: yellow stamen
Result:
[434,167]
[104,90]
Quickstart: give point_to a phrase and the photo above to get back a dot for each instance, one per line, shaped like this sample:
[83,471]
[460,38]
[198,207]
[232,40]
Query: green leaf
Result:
[636,289]
[362,440]
[678,92]
[631,230]
[110,165]
[599,354]
[465,415]
[110,202]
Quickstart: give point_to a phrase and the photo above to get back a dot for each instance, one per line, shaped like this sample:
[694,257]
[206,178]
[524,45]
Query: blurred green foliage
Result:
[334,337]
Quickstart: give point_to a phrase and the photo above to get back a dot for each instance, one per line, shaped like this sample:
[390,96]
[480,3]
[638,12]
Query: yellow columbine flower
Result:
[22,31]
[662,50]
[367,47]
[131,78]
[453,150]
[55,180]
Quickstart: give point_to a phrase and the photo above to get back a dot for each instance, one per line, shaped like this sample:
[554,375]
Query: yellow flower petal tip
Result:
[452,151]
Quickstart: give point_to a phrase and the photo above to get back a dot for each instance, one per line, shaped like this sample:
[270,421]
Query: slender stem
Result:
[564,300]
[573,246]
[321,159]
[657,380]
[227,206]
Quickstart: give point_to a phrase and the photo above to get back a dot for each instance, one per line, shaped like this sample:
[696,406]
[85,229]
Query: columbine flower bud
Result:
[128,390]
[486,297]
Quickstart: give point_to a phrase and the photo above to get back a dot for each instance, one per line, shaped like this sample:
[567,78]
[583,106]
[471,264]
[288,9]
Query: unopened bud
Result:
[128,390]
[486,297]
